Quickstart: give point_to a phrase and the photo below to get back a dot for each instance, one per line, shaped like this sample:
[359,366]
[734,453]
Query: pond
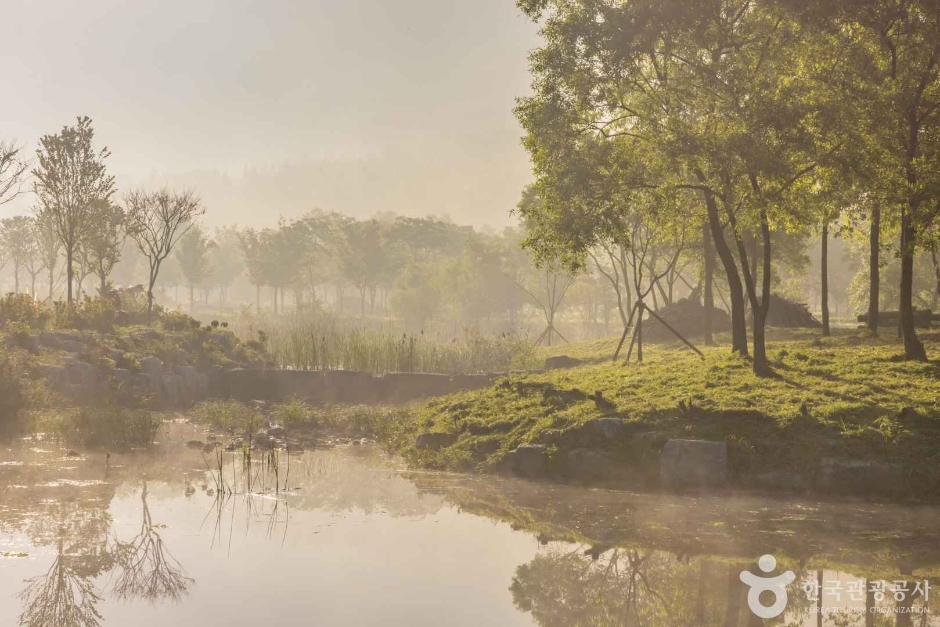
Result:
[349,536]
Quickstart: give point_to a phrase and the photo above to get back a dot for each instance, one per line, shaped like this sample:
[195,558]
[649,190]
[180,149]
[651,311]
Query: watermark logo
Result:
[777,585]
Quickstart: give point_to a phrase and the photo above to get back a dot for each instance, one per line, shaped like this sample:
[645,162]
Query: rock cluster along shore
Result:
[594,453]
[179,386]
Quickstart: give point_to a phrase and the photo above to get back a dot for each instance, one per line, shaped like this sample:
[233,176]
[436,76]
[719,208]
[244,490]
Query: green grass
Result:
[855,388]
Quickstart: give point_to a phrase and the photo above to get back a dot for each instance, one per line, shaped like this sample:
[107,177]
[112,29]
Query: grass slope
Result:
[855,388]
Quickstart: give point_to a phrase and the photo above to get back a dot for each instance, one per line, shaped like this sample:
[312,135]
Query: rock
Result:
[602,429]
[434,441]
[195,444]
[170,388]
[81,373]
[143,383]
[275,432]
[31,344]
[210,446]
[694,463]
[859,478]
[71,346]
[528,460]
[561,361]
[778,481]
[121,376]
[49,339]
[587,464]
[151,365]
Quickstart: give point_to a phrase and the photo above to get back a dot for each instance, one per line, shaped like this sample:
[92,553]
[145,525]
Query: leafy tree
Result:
[226,259]
[18,241]
[254,255]
[102,249]
[192,255]
[49,248]
[69,182]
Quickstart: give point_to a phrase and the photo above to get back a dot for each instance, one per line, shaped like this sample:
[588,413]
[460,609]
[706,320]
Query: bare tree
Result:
[12,169]
[156,221]
[69,180]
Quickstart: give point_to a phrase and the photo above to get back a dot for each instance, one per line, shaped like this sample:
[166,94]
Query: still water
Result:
[351,537]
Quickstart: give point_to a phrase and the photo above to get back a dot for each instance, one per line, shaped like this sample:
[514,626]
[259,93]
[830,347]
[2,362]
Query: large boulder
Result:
[600,431]
[434,441]
[151,365]
[859,478]
[71,346]
[694,463]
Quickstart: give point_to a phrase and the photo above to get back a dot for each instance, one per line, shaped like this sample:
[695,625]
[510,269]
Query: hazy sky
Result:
[271,107]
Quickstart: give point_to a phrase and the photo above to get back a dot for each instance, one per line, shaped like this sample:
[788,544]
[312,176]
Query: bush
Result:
[22,309]
[111,426]
[97,314]
[177,321]
[232,417]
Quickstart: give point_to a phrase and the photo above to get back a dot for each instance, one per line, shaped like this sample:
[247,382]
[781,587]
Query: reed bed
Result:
[320,342]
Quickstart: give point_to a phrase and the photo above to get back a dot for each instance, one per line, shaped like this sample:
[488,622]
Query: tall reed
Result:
[321,342]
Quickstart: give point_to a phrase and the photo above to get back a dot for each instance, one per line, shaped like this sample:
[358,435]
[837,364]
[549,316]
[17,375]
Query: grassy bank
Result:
[847,396]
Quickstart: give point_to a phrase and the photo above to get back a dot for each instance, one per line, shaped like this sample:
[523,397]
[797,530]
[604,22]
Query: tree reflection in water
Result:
[146,568]
[66,595]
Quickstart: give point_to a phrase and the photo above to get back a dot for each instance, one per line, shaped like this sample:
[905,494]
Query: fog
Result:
[274,108]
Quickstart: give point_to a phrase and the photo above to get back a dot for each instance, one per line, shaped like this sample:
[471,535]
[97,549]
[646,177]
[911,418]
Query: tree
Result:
[156,221]
[101,250]
[49,247]
[192,254]
[12,169]
[896,49]
[226,259]
[364,258]
[253,253]
[636,99]
[70,180]
[17,238]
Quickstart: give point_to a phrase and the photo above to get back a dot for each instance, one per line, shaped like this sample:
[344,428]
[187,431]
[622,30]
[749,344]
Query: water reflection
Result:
[355,539]
[145,567]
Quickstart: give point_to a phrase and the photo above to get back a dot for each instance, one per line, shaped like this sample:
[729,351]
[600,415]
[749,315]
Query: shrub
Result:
[232,417]
[97,314]
[177,321]
[22,309]
[109,426]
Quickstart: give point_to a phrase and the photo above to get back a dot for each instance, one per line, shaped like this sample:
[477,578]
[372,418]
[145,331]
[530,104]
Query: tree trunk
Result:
[824,263]
[936,271]
[874,269]
[761,364]
[708,297]
[913,347]
[258,299]
[192,300]
[275,300]
[68,277]
[735,289]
